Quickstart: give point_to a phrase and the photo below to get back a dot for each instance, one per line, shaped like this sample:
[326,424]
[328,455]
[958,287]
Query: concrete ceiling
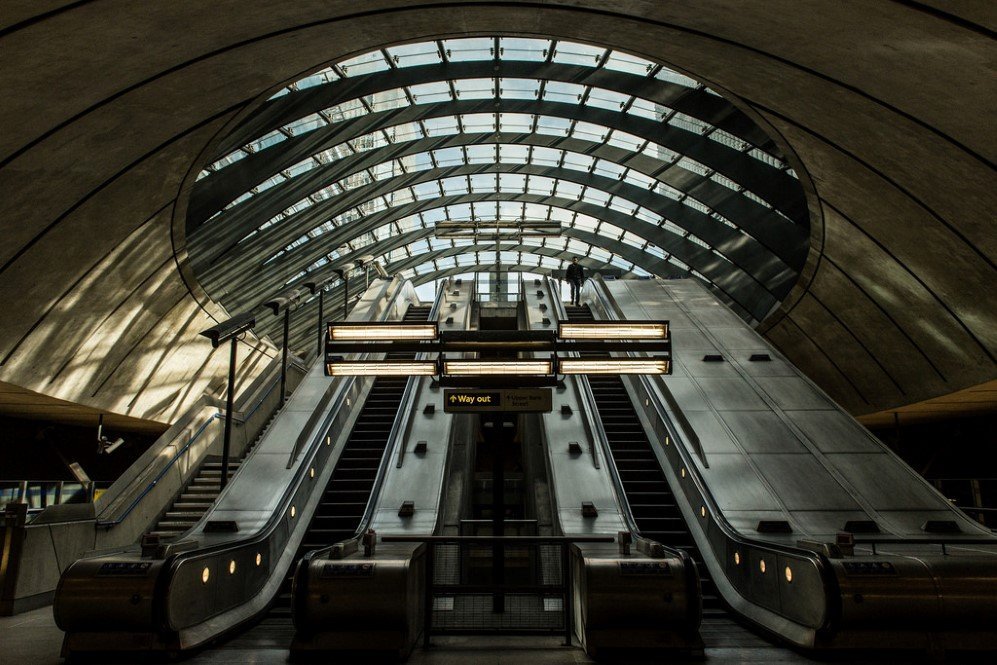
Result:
[17,402]
[110,109]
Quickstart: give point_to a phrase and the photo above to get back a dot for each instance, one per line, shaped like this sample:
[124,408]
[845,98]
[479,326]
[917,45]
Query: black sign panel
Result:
[517,400]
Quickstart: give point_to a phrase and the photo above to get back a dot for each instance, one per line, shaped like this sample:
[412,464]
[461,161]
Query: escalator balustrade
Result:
[651,500]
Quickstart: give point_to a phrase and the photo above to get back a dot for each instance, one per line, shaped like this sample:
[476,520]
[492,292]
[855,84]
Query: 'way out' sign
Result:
[520,400]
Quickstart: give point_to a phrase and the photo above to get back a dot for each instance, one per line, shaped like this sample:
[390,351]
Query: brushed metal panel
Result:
[745,521]
[736,337]
[793,393]
[827,523]
[762,432]
[698,367]
[834,432]
[908,522]
[711,432]
[713,316]
[686,393]
[735,486]
[731,395]
[886,482]
[803,484]
[773,367]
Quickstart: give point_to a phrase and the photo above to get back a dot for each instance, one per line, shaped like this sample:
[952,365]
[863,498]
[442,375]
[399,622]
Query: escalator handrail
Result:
[599,433]
[173,561]
[398,428]
[819,560]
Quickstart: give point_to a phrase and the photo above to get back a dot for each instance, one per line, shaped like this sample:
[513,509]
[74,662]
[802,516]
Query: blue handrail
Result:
[152,484]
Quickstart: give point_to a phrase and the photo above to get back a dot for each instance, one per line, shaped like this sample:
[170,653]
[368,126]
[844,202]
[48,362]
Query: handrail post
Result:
[321,308]
[283,357]
[229,406]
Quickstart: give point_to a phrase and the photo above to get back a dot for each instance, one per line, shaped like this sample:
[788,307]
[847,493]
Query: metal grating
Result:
[463,583]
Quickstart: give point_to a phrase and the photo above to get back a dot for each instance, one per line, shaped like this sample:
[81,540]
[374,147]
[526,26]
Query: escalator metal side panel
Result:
[574,477]
[218,579]
[663,610]
[810,600]
[420,478]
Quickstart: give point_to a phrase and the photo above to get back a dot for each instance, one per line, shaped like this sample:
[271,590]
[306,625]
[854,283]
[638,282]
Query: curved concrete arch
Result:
[100,147]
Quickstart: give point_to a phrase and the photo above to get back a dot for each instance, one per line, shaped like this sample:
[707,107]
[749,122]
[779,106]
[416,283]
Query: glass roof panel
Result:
[363,64]
[560,91]
[431,93]
[571,53]
[519,88]
[607,99]
[412,55]
[517,48]
[631,64]
[552,125]
[474,88]
[473,48]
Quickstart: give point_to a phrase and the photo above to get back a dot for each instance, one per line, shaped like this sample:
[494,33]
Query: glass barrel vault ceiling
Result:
[648,172]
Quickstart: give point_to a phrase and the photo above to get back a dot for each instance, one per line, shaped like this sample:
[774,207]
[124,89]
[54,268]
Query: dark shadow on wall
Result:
[31,449]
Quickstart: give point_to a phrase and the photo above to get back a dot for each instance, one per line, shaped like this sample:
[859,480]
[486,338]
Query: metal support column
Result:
[497,441]
[283,355]
[346,294]
[321,314]
[229,405]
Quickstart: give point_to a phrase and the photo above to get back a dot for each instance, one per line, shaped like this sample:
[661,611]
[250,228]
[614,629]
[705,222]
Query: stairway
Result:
[342,506]
[651,500]
[200,492]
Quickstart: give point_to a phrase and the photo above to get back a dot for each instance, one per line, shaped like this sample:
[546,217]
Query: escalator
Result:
[345,498]
[647,492]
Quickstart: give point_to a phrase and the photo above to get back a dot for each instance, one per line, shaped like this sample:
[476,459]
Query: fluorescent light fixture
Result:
[498,367]
[383,332]
[382,368]
[614,366]
[612,330]
[496,229]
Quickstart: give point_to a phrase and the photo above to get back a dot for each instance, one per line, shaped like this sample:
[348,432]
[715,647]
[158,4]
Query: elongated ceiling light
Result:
[610,330]
[382,368]
[614,366]
[387,332]
[498,367]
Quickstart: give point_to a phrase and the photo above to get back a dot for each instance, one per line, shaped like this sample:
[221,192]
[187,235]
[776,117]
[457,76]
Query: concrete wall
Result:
[887,106]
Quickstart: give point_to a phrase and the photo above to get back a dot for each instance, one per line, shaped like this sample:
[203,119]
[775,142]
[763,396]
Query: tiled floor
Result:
[33,639]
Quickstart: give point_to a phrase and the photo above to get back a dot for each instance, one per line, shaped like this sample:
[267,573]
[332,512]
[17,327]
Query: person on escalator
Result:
[575,276]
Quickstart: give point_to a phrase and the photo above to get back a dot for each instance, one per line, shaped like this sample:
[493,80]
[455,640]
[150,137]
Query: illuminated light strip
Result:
[614,366]
[368,333]
[612,330]
[498,367]
[347,368]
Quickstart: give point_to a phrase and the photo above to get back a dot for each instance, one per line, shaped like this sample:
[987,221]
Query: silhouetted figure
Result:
[575,276]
